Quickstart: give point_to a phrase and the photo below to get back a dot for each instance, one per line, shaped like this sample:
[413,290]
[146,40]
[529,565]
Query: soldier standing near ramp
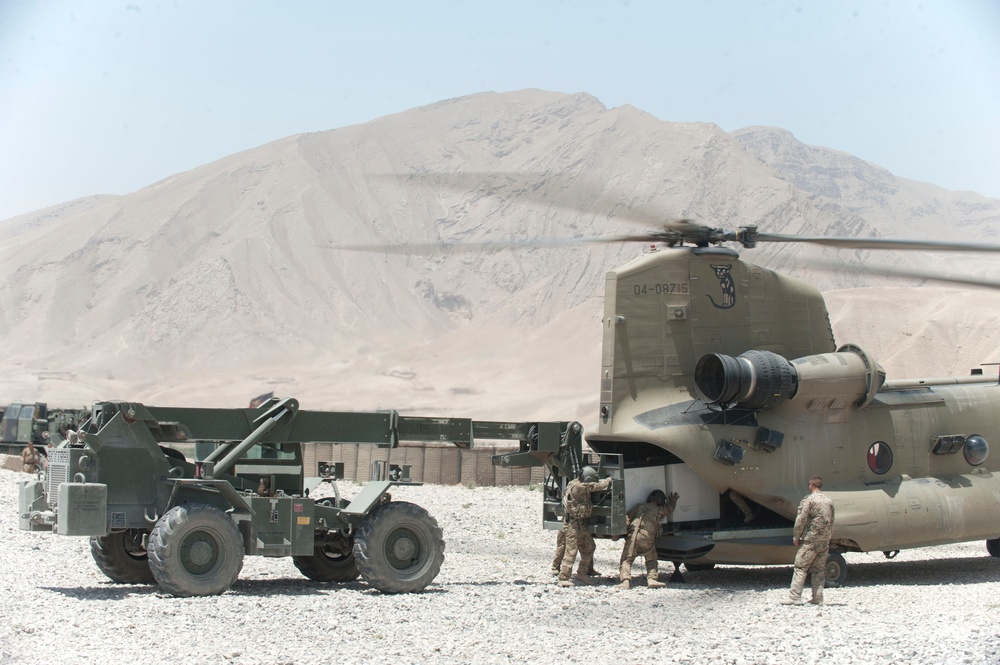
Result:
[30,458]
[814,529]
[561,551]
[643,530]
[578,507]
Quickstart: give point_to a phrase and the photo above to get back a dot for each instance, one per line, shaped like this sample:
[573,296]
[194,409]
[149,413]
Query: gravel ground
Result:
[496,602]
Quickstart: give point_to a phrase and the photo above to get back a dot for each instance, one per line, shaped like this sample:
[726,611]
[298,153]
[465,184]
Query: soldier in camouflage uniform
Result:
[814,529]
[561,551]
[643,530]
[578,507]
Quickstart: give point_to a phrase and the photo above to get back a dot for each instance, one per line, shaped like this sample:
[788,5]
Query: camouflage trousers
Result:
[636,545]
[577,538]
[560,549]
[810,561]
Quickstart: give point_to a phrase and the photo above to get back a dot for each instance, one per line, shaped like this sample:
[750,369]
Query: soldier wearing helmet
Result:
[643,529]
[578,507]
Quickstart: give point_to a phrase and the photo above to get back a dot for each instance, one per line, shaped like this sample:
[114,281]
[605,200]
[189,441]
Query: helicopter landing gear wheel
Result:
[328,565]
[836,570]
[122,557]
[195,550]
[993,547]
[399,548]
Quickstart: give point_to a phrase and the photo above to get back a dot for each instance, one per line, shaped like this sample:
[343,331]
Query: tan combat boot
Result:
[625,584]
[654,583]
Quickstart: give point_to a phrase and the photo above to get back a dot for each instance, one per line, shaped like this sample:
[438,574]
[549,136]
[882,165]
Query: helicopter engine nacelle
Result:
[762,379]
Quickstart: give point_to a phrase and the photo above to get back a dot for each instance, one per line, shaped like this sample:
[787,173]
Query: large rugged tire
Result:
[399,548]
[121,557]
[836,570]
[195,550]
[327,565]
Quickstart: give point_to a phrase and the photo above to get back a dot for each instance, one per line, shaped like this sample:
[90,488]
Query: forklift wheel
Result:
[327,566]
[399,548]
[121,557]
[195,550]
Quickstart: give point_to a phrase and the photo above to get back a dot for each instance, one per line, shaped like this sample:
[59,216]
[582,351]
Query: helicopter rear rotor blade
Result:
[878,243]
[824,265]
[435,248]
[575,195]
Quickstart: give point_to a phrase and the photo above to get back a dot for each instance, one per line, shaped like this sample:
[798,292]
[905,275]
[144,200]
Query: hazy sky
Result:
[107,97]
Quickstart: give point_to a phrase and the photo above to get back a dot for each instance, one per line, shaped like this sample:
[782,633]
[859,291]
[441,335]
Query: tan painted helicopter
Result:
[721,380]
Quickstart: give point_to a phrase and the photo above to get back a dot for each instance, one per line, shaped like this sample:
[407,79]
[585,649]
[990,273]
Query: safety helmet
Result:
[588,474]
[657,497]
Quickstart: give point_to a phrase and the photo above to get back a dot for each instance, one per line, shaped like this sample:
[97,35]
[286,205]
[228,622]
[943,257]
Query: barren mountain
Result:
[224,282]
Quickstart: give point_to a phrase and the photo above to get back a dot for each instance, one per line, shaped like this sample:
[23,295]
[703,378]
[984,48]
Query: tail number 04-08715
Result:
[660,289]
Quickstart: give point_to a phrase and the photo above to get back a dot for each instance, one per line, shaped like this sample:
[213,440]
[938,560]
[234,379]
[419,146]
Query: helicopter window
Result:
[879,457]
[976,450]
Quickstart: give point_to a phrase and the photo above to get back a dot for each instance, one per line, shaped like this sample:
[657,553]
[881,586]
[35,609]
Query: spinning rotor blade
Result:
[428,249]
[566,193]
[575,194]
[831,266]
[876,243]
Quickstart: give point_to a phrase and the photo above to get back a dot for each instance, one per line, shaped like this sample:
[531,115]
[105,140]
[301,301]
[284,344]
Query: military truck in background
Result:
[155,516]
[22,422]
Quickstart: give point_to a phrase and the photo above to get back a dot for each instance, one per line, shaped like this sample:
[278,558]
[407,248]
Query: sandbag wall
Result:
[437,464]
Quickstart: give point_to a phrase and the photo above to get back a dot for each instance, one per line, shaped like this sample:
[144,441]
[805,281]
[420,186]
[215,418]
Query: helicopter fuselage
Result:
[726,376]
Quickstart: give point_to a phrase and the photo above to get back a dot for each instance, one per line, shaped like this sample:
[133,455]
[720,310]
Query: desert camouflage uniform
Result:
[578,507]
[643,530]
[814,529]
[561,551]
[30,458]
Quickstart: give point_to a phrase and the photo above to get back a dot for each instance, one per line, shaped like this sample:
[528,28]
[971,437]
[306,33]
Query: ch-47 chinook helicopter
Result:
[721,380]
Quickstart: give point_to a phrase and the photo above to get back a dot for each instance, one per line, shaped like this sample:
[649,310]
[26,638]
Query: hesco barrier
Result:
[438,464]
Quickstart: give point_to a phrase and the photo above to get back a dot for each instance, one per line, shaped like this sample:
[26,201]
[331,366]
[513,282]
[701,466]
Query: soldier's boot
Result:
[565,583]
[817,589]
[581,578]
[653,576]
[586,566]
[624,584]
[795,592]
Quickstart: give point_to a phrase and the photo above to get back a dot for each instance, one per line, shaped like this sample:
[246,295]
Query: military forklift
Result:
[155,516]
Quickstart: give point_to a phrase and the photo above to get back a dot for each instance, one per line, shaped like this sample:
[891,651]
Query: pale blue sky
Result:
[107,97]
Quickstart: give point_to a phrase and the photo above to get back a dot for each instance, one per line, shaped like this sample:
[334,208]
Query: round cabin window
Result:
[976,450]
[879,457]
